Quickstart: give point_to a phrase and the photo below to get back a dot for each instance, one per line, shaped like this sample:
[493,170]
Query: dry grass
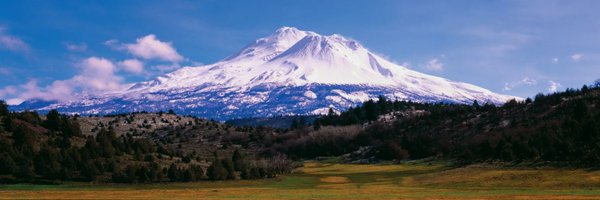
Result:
[345,181]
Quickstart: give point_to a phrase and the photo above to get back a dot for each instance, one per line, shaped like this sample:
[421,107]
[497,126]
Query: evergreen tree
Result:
[53,121]
[331,112]
[216,171]
[197,172]
[245,174]
[238,160]
[317,125]
[3,108]
[7,164]
[475,104]
[24,136]
[7,122]
[228,165]
[173,173]
[70,127]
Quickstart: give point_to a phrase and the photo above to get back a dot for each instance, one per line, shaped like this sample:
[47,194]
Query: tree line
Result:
[560,128]
[55,150]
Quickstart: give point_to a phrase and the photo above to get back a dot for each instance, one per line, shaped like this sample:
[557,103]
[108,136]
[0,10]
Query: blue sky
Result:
[61,48]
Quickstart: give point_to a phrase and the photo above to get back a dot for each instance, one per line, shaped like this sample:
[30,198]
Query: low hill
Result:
[135,147]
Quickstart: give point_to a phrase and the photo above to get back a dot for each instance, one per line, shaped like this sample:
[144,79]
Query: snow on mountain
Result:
[288,72]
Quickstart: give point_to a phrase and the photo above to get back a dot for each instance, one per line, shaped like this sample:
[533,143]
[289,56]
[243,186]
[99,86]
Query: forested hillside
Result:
[136,147]
[561,128]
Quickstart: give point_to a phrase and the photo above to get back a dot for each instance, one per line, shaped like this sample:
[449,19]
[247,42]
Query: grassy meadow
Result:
[323,180]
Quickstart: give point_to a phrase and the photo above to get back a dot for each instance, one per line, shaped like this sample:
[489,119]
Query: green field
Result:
[319,180]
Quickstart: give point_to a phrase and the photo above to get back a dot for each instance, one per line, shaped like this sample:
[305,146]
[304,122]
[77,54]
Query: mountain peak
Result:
[287,29]
[290,71]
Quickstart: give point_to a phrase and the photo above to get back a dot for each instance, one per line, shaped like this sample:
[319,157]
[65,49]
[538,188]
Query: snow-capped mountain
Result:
[288,72]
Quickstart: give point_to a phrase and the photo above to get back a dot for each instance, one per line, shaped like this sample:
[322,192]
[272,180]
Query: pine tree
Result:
[173,173]
[7,164]
[3,108]
[331,112]
[53,120]
[317,125]
[216,171]
[7,122]
[229,169]
[238,160]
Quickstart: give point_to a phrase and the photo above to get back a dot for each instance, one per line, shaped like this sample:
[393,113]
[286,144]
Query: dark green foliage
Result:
[193,173]
[24,137]
[55,150]
[3,108]
[298,122]
[173,173]
[7,164]
[216,171]
[8,124]
[31,117]
[70,127]
[238,160]
[53,121]
[228,165]
[369,111]
[561,128]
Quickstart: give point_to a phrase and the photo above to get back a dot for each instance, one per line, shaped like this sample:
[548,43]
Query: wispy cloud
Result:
[434,64]
[577,57]
[166,68]
[553,87]
[523,82]
[76,47]
[12,43]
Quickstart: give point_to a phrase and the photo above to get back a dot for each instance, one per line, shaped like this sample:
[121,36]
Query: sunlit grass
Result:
[348,181]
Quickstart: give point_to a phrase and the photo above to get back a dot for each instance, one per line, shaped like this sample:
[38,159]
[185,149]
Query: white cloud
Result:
[523,82]
[166,68]
[554,60]
[58,90]
[12,43]
[577,57]
[434,65]
[554,86]
[149,47]
[132,65]
[76,47]
[96,75]
[114,44]
[8,90]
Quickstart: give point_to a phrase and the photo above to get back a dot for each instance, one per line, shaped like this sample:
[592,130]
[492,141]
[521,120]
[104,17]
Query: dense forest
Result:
[560,128]
[54,148]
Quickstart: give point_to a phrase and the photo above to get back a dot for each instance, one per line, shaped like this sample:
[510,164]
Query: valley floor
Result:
[322,180]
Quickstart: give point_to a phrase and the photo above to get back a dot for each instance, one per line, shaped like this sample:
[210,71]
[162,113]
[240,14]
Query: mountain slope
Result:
[288,72]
